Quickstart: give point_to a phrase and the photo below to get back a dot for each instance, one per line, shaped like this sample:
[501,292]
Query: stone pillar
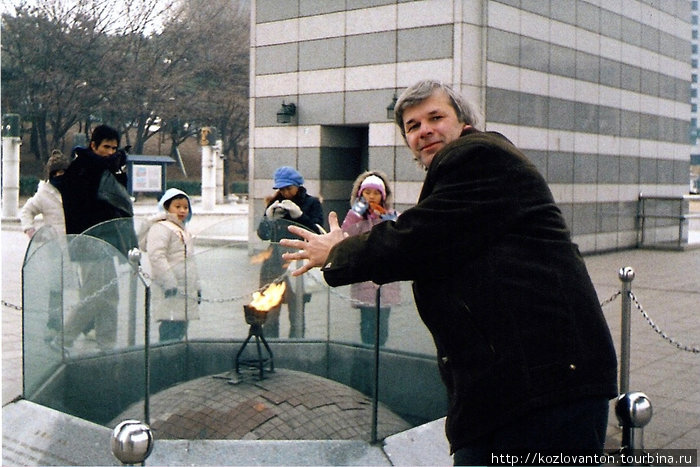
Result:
[11,141]
[209,163]
[219,161]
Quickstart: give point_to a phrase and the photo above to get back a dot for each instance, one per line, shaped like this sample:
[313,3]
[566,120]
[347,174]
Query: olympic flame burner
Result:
[269,298]
[256,315]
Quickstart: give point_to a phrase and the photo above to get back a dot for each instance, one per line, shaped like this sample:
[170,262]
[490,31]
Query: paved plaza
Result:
[667,292]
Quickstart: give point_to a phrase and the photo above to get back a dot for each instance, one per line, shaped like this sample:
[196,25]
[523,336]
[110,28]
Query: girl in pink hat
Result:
[371,202]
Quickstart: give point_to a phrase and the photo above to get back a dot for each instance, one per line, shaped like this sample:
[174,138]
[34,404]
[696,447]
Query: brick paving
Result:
[285,405]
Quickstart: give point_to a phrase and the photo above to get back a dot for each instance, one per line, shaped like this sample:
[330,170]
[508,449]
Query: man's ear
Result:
[93,146]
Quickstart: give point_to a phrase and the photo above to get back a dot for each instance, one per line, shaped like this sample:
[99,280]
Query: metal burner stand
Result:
[256,319]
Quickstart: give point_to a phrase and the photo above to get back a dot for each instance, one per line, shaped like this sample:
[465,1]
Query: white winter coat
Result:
[46,201]
[170,251]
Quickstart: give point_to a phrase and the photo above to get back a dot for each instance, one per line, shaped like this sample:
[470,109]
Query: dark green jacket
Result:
[497,280]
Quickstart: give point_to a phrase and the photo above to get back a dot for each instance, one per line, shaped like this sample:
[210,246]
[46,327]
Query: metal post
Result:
[146,356]
[297,321]
[134,257]
[681,218]
[375,395]
[633,411]
[132,442]
[640,219]
[626,275]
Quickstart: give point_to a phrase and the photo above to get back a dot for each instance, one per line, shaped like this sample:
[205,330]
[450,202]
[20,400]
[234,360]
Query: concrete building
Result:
[595,92]
[694,112]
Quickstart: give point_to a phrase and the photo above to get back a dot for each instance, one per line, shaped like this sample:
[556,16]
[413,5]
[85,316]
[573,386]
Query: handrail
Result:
[682,217]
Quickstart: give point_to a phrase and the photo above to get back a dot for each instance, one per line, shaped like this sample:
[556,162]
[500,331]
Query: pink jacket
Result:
[365,293]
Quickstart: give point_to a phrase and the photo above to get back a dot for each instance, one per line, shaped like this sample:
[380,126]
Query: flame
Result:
[261,257]
[268,298]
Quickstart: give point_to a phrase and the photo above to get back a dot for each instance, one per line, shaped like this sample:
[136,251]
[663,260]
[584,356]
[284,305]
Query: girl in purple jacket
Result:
[371,203]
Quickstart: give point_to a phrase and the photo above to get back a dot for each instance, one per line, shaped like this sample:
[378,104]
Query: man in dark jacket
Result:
[93,192]
[523,347]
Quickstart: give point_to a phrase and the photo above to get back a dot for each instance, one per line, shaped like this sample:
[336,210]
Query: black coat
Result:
[93,190]
[276,229]
[311,217]
[497,280]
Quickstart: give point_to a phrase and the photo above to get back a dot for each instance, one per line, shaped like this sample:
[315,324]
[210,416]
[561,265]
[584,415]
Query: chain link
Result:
[659,331]
[611,299]
[10,305]
[333,291]
[233,299]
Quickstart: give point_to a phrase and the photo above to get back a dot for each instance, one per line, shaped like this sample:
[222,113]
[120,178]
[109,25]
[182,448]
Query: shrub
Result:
[27,185]
[192,188]
[239,187]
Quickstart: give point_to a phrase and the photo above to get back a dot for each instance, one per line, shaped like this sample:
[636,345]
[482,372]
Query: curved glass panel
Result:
[93,362]
[45,234]
[82,301]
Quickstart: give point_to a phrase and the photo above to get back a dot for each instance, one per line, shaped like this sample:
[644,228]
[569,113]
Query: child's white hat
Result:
[169,194]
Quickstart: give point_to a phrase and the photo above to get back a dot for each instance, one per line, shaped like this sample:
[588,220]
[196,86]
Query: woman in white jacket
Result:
[171,253]
[47,199]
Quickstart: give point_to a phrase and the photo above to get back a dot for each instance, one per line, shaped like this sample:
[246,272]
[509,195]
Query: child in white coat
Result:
[171,253]
[48,203]
[47,199]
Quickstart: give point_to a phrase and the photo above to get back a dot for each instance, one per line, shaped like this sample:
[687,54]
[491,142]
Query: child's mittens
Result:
[389,216]
[294,210]
[360,206]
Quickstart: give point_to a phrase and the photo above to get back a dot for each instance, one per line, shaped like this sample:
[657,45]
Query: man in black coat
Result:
[523,347]
[94,191]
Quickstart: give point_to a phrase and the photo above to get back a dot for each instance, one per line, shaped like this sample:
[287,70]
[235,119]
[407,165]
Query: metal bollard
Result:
[626,275]
[134,257]
[633,411]
[132,442]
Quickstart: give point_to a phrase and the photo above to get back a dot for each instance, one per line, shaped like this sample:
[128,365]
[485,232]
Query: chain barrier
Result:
[654,326]
[282,277]
[12,306]
[660,332]
[333,291]
[611,299]
[234,299]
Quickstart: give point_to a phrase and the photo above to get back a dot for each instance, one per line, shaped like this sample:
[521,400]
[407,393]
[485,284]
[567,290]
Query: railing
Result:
[664,221]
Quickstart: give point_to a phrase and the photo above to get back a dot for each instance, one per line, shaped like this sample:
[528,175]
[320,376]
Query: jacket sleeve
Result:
[158,245]
[473,194]
[29,211]
[312,214]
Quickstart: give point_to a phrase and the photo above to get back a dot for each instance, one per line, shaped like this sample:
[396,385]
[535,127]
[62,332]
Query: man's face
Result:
[430,125]
[106,148]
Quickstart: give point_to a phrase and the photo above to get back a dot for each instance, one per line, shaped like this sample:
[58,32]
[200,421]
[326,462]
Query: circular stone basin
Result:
[285,405]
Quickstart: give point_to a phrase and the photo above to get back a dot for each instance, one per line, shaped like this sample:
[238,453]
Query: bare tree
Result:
[151,66]
[52,52]
[219,59]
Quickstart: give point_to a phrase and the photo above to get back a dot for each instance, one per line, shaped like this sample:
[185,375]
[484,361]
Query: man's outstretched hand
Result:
[314,248]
